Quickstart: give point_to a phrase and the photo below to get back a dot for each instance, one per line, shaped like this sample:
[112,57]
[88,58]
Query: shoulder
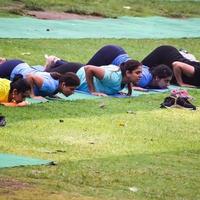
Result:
[111,67]
[4,89]
[112,73]
[4,83]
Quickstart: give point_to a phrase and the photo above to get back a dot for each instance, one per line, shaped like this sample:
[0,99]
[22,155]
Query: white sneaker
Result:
[188,55]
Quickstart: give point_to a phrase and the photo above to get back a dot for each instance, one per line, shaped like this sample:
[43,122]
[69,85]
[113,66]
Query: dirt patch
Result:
[52,15]
[12,184]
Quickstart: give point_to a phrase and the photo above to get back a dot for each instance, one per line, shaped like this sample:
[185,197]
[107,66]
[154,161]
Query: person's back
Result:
[110,84]
[49,84]
[4,89]
[109,54]
[7,66]
[24,69]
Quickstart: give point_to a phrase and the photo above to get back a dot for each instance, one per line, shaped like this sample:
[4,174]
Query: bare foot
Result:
[50,61]
[2,60]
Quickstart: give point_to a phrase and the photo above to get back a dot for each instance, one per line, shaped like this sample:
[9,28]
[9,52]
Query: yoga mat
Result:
[9,160]
[78,95]
[122,27]
[36,101]
[136,93]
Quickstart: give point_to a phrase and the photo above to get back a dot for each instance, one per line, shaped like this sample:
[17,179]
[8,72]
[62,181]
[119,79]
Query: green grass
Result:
[81,50]
[108,8]
[103,152]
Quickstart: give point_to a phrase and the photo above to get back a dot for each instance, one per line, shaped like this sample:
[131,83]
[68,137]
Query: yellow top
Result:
[4,89]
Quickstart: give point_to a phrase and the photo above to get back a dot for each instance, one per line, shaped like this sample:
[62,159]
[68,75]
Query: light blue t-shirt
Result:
[38,68]
[49,85]
[110,84]
[146,77]
[120,59]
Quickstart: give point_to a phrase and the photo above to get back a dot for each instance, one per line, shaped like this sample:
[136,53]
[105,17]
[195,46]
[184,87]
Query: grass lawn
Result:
[101,152]
[107,8]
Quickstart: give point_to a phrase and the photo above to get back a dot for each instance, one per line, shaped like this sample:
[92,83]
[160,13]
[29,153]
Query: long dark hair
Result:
[129,65]
[20,84]
[69,78]
[161,71]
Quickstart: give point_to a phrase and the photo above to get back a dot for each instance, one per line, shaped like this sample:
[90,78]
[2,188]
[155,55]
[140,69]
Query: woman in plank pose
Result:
[42,83]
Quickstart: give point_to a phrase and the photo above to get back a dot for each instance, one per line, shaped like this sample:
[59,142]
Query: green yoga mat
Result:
[85,96]
[36,101]
[123,27]
[76,96]
[9,160]
[136,93]
[60,96]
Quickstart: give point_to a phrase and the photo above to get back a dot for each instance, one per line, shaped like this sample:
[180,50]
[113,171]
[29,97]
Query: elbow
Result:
[29,77]
[88,69]
[176,65]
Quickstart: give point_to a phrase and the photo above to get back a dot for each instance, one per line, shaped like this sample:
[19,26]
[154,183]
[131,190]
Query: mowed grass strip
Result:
[106,8]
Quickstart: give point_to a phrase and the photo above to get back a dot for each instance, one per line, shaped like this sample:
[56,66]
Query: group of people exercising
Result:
[109,71]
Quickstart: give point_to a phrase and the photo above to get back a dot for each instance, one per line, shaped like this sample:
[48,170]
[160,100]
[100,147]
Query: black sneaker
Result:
[183,102]
[2,121]
[168,102]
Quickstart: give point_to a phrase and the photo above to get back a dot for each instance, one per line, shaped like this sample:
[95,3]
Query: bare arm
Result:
[34,81]
[180,68]
[91,72]
[13,104]
[139,89]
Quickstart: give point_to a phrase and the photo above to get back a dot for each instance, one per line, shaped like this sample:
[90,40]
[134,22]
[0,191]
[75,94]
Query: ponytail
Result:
[129,86]
[55,75]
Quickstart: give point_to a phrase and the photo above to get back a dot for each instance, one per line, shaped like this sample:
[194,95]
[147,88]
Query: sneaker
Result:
[177,102]
[2,60]
[2,121]
[184,103]
[188,55]
[168,102]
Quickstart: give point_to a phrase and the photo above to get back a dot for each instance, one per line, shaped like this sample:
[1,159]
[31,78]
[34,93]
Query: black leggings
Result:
[63,67]
[7,67]
[167,55]
[163,55]
[106,55]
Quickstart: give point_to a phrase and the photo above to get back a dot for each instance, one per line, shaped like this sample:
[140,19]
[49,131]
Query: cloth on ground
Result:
[9,160]
[152,27]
